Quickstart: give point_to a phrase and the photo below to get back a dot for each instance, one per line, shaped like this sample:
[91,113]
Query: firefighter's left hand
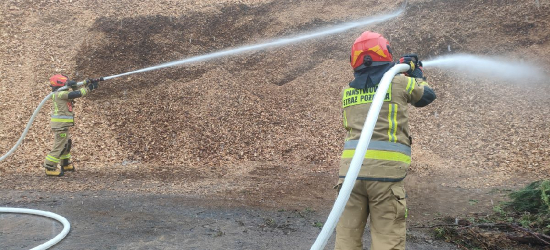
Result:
[93,83]
[71,83]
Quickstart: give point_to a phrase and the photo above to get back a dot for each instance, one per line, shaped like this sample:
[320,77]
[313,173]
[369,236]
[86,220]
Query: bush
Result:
[535,198]
[533,205]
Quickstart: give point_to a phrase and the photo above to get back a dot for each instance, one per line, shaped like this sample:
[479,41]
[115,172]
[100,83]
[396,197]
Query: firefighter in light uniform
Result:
[62,118]
[379,189]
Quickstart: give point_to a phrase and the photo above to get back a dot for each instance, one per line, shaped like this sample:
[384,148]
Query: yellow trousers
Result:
[386,205]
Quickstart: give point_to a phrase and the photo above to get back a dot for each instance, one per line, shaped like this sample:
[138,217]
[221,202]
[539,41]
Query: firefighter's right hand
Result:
[416,65]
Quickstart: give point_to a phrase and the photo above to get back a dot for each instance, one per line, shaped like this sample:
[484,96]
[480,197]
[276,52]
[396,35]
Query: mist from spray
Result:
[494,67]
[275,43]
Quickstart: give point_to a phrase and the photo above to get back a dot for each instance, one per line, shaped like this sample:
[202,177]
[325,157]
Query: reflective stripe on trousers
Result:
[62,118]
[52,159]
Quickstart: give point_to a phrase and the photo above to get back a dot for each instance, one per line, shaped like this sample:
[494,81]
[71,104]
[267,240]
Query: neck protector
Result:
[370,76]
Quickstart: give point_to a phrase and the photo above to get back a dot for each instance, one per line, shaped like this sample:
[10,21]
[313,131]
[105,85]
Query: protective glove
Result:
[71,84]
[418,72]
[416,65]
[92,83]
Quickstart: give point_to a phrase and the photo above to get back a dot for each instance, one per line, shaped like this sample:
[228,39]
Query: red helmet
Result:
[370,49]
[58,80]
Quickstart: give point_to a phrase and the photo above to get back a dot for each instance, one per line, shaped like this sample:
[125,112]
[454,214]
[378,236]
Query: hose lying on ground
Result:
[50,243]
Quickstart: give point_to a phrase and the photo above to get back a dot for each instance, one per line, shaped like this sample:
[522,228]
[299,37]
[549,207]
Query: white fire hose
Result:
[50,243]
[358,157]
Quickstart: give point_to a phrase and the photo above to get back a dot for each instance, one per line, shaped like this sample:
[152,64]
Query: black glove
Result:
[418,72]
[92,83]
[416,65]
[70,83]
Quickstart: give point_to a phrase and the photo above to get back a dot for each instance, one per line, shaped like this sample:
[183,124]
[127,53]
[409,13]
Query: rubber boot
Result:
[67,166]
[53,171]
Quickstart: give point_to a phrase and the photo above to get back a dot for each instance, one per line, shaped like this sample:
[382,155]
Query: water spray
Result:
[274,43]
[483,66]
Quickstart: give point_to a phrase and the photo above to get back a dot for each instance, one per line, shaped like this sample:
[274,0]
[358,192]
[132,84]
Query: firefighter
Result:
[379,189]
[62,118]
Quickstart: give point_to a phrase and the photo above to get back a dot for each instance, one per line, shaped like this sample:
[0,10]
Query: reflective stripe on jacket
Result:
[62,115]
[389,154]
[62,110]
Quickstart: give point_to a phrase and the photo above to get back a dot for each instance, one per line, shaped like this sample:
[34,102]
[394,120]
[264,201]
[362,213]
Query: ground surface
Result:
[241,152]
[111,220]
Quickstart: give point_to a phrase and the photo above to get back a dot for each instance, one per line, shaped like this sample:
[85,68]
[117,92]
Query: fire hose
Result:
[56,239]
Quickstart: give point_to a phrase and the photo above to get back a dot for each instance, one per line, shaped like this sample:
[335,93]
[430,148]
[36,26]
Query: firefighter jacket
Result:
[389,153]
[62,115]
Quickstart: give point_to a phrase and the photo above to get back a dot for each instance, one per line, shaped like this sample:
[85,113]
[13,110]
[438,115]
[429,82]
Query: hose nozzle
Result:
[82,83]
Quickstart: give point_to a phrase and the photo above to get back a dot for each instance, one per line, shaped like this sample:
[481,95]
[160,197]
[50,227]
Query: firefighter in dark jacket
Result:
[379,190]
[62,118]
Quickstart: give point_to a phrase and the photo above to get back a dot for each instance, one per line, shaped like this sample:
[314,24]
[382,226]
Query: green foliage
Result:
[529,208]
[532,203]
[443,233]
[535,198]
[526,220]
[545,193]
[499,210]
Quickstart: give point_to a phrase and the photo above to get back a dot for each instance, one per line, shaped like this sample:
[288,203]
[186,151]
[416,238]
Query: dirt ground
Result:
[120,216]
[242,152]
[122,220]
